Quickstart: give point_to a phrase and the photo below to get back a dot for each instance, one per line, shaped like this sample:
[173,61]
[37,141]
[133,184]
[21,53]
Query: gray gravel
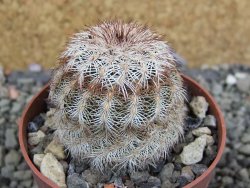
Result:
[14,172]
[233,96]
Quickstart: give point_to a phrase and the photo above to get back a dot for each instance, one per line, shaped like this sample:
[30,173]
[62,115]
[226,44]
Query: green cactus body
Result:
[118,97]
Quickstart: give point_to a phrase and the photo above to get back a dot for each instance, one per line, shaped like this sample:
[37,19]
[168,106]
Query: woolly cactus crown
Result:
[118,96]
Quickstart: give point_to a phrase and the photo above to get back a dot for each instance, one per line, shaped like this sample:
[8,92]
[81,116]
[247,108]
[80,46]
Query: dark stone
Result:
[39,120]
[174,176]
[129,184]
[139,177]
[152,182]
[191,123]
[77,166]
[71,168]
[4,180]
[158,166]
[178,148]
[76,181]
[32,127]
[210,154]
[198,169]
[189,137]
[177,166]
[182,181]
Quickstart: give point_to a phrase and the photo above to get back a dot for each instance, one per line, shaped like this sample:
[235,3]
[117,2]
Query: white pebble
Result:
[37,159]
[201,130]
[231,80]
[199,106]
[193,152]
[53,169]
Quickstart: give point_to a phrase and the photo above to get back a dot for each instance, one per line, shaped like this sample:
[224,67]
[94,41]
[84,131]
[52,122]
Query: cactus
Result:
[118,97]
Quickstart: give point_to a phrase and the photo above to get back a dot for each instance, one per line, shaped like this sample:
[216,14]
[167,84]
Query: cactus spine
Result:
[118,97]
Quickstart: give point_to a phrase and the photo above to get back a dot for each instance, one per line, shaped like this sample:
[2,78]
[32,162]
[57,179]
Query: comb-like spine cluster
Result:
[118,97]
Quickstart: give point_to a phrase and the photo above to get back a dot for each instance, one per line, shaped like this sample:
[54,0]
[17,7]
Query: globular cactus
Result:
[118,96]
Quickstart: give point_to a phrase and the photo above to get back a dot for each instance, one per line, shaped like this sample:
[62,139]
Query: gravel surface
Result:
[230,85]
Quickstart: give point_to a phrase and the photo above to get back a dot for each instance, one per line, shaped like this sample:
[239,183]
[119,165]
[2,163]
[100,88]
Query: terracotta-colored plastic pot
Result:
[38,105]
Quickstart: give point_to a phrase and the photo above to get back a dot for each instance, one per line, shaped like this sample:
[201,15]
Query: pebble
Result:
[10,138]
[152,182]
[32,127]
[189,137]
[192,123]
[76,181]
[129,184]
[1,155]
[7,171]
[245,149]
[4,93]
[16,107]
[52,168]
[209,140]
[56,149]
[175,175]
[182,181]
[4,181]
[198,169]
[245,138]
[25,81]
[34,67]
[26,183]
[39,120]
[210,121]
[231,80]
[167,184]
[199,106]
[158,166]
[22,166]
[210,152]
[243,84]
[13,92]
[4,102]
[187,172]
[227,180]
[201,131]
[22,175]
[2,76]
[37,159]
[12,157]
[193,152]
[244,175]
[35,138]
[13,184]
[166,172]
[90,176]
[139,177]
[65,165]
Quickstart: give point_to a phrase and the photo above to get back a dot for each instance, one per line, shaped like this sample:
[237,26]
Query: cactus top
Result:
[124,57]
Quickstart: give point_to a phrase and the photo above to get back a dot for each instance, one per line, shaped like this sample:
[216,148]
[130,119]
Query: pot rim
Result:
[209,98]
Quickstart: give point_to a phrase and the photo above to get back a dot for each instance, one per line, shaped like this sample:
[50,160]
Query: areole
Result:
[38,105]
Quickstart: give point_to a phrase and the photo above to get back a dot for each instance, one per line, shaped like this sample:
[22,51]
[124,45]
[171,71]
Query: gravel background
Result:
[229,84]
